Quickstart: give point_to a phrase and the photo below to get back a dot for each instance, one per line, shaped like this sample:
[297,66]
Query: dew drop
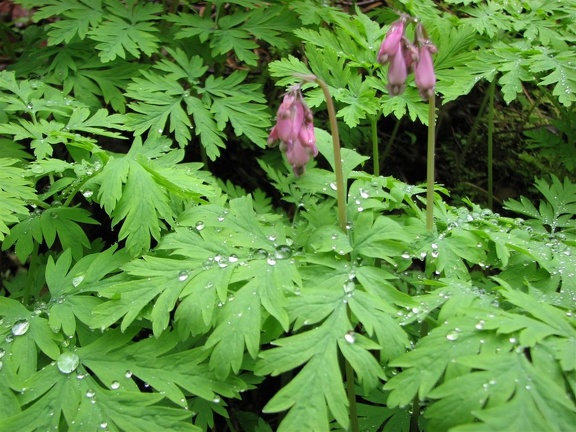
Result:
[364,194]
[183,275]
[260,254]
[87,193]
[479,325]
[90,393]
[68,362]
[283,252]
[216,399]
[271,261]
[199,225]
[128,374]
[233,258]
[333,186]
[20,327]
[103,425]
[37,169]
[114,385]
[349,287]
[77,280]
[453,335]
[512,340]
[406,255]
[350,337]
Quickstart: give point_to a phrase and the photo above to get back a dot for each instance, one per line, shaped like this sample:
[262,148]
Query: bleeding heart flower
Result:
[295,130]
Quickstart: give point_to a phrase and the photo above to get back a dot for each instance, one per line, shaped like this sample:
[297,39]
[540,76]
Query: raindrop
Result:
[77,280]
[453,335]
[90,394]
[115,385]
[350,337]
[20,327]
[37,169]
[220,218]
[87,193]
[349,287]
[233,258]
[128,374]
[103,425]
[283,252]
[68,362]
[479,325]
[199,225]
[183,275]
[364,194]
[512,340]
[360,209]
[272,237]
[260,254]
[216,399]
[81,376]
[406,255]
[333,186]
[271,261]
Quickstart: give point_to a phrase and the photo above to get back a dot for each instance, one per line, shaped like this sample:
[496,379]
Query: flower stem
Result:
[340,187]
[341,198]
[375,149]
[491,91]
[430,164]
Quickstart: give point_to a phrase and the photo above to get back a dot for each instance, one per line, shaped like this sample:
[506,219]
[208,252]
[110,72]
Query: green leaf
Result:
[127,28]
[15,190]
[315,387]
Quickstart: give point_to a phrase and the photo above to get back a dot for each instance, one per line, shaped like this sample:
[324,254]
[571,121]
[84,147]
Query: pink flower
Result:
[424,76]
[295,130]
[392,41]
[397,73]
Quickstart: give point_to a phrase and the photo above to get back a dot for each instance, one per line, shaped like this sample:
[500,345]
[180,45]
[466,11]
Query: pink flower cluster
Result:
[404,56]
[294,129]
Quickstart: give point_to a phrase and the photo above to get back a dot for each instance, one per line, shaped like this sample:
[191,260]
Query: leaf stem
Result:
[340,191]
[375,149]
[490,155]
[430,164]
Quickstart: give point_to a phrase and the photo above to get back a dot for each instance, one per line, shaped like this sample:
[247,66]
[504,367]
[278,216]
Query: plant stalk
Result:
[430,164]
[340,187]
[490,155]
[341,199]
[375,149]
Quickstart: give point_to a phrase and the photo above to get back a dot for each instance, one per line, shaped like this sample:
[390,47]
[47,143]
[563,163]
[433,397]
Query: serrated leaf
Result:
[315,388]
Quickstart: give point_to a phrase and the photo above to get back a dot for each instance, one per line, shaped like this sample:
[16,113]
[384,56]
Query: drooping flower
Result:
[294,129]
[392,42]
[397,73]
[424,75]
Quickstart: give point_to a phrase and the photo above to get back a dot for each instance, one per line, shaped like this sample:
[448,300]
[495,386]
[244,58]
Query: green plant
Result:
[139,292]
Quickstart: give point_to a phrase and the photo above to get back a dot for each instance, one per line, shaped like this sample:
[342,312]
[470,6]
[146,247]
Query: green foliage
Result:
[139,292]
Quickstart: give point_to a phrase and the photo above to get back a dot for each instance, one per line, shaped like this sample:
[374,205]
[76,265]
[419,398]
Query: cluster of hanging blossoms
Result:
[294,128]
[404,56]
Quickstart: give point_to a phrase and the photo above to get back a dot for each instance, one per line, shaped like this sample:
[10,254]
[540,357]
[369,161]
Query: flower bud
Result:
[424,76]
[392,41]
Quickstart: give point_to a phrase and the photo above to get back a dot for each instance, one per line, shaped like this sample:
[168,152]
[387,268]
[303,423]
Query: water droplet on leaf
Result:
[183,275]
[20,327]
[68,362]
[199,225]
[115,385]
[283,252]
[350,337]
[453,335]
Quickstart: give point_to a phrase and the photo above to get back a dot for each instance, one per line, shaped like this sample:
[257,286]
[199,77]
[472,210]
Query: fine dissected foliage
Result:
[140,292]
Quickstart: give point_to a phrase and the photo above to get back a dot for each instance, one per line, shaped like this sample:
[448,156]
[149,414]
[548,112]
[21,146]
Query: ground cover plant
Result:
[164,267]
